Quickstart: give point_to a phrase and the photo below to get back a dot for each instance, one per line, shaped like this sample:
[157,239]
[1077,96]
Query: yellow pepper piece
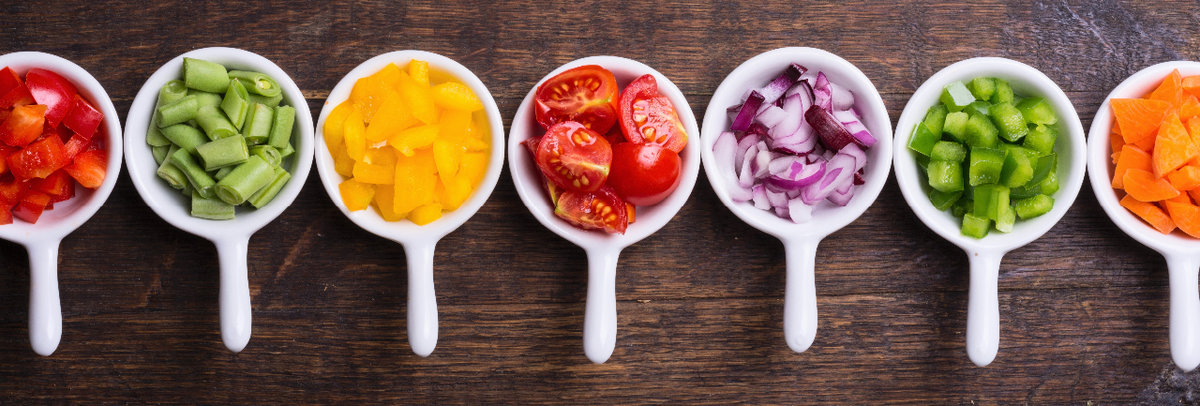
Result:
[426,214]
[389,76]
[385,202]
[473,166]
[398,118]
[354,135]
[418,100]
[342,163]
[378,166]
[414,138]
[333,124]
[416,178]
[419,71]
[452,191]
[367,95]
[446,156]
[456,96]
[356,195]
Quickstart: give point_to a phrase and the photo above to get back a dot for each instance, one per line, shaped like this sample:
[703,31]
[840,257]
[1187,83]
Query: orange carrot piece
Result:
[1116,157]
[1138,118]
[1132,157]
[1186,178]
[1146,144]
[1191,85]
[1151,213]
[1195,194]
[1190,108]
[1193,127]
[1182,198]
[1170,90]
[1174,147]
[1186,216]
[1144,186]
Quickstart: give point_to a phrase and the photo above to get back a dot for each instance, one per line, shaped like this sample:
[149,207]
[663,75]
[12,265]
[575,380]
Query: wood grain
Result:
[1083,309]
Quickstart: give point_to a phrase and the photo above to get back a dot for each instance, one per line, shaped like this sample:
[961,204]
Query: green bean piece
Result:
[177,111]
[212,209]
[172,91]
[266,194]
[185,136]
[245,179]
[154,137]
[204,75]
[258,124]
[281,129]
[222,172]
[187,189]
[206,98]
[160,153]
[170,173]
[223,152]
[214,123]
[195,174]
[268,101]
[267,153]
[256,82]
[286,151]
[235,105]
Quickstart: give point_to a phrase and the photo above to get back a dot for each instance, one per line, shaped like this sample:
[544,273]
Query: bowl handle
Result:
[1185,310]
[600,315]
[45,311]
[422,300]
[234,295]
[983,307]
[800,294]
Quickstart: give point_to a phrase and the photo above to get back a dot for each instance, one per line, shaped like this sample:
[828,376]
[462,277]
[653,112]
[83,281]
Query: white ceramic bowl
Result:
[1181,251]
[418,241]
[42,239]
[232,237]
[800,240]
[600,317]
[983,314]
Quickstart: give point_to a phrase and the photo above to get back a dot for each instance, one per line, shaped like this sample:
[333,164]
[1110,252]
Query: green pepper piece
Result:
[1045,165]
[981,132]
[956,125]
[1037,110]
[962,206]
[935,118]
[1034,206]
[945,176]
[948,151]
[978,107]
[990,201]
[956,96]
[982,88]
[923,139]
[975,226]
[1017,171]
[1008,217]
[1050,184]
[1004,92]
[985,165]
[1009,121]
[1041,139]
[944,200]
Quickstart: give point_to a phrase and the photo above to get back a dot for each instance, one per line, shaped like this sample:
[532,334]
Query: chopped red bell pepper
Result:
[23,125]
[89,168]
[16,97]
[9,80]
[31,206]
[4,153]
[39,159]
[83,119]
[52,90]
[6,216]
[58,185]
[10,191]
[97,144]
[75,145]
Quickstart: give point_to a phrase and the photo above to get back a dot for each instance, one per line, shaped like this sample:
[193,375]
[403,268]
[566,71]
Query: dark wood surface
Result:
[1083,309]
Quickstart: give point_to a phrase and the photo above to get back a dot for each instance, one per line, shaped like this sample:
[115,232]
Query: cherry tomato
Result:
[599,210]
[574,157]
[587,94]
[649,117]
[644,174]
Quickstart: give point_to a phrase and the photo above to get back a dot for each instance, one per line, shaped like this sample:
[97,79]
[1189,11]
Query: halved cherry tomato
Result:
[574,157]
[644,174]
[599,210]
[52,90]
[587,94]
[649,117]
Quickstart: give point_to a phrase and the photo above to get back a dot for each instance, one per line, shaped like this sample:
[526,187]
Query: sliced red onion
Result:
[746,176]
[793,117]
[838,171]
[724,150]
[822,93]
[855,127]
[774,90]
[759,196]
[775,198]
[747,113]
[771,116]
[841,198]
[762,162]
[841,97]
[782,211]
[860,156]
[833,135]
[858,178]
[791,173]
[799,211]
[744,144]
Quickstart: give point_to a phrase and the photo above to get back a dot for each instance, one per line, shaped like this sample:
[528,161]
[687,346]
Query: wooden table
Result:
[1084,309]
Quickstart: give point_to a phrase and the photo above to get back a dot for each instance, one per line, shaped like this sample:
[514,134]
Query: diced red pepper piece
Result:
[59,185]
[16,97]
[4,153]
[89,168]
[83,119]
[39,159]
[31,206]
[97,144]
[24,125]
[9,80]
[52,90]
[75,145]
[10,191]
[6,216]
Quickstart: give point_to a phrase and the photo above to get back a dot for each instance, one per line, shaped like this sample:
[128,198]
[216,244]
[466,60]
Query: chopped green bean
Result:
[258,124]
[160,153]
[223,152]
[195,174]
[170,173]
[222,172]
[154,137]
[214,123]
[286,151]
[281,128]
[204,75]
[185,136]
[256,82]
[267,153]
[177,111]
[266,194]
[245,179]
[170,92]
[264,100]
[212,209]
[206,98]
[235,104]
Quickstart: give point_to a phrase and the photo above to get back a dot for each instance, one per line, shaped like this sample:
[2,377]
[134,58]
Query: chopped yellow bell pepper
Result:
[356,195]
[456,96]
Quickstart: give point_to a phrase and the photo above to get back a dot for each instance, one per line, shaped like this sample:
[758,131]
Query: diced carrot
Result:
[1195,194]
[1182,198]
[1116,140]
[1138,118]
[1146,144]
[1186,178]
[1144,186]
[1116,157]
[1149,212]
[1191,85]
[1193,126]
[1174,147]
[1186,216]
[1190,108]
[1170,90]
[1131,158]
